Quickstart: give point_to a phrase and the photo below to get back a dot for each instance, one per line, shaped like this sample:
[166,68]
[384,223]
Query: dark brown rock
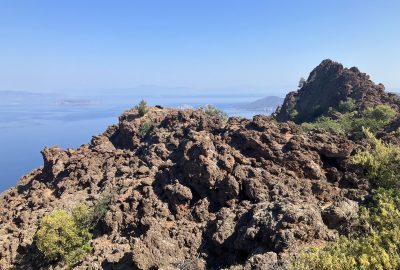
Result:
[327,85]
[195,192]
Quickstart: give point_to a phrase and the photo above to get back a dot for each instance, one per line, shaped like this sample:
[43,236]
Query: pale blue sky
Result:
[90,44]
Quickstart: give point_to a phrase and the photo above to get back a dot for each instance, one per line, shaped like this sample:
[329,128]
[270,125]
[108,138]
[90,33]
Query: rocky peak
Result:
[327,85]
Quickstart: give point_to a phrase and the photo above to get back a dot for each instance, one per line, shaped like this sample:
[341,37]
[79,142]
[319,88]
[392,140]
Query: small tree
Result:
[142,108]
[214,112]
[145,128]
[302,82]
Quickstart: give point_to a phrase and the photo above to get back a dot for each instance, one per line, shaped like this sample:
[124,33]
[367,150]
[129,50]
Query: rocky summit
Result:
[328,84]
[197,192]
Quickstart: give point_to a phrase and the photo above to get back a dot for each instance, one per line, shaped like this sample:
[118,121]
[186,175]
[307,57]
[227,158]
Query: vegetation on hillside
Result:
[66,236]
[142,108]
[214,112]
[381,162]
[145,128]
[379,247]
[61,237]
[302,82]
[351,123]
[347,106]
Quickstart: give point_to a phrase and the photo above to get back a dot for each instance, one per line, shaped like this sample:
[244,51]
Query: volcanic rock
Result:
[327,85]
[193,193]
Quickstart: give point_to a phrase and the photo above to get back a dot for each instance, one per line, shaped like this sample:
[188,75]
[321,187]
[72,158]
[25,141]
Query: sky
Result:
[64,45]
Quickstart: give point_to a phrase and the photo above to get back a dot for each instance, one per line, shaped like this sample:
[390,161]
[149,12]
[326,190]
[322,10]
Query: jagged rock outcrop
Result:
[193,193]
[328,84]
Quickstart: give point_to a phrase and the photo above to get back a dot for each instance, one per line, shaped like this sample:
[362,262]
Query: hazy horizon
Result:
[169,90]
[95,58]
[79,45]
[31,121]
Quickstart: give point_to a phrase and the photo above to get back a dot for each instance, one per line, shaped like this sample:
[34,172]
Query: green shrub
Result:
[293,115]
[61,237]
[64,236]
[82,214]
[382,113]
[381,161]
[378,249]
[373,119]
[99,209]
[346,106]
[142,108]
[325,123]
[145,128]
[214,112]
[379,246]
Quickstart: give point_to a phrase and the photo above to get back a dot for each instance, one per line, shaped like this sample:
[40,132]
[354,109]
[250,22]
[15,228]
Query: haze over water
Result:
[31,121]
[261,47]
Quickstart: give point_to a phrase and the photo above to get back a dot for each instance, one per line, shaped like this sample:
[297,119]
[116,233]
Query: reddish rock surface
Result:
[194,193]
[328,84]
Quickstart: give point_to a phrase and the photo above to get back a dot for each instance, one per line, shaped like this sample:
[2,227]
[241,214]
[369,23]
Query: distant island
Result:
[267,104]
[75,102]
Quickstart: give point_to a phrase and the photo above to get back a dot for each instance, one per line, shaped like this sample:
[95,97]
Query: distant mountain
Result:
[267,104]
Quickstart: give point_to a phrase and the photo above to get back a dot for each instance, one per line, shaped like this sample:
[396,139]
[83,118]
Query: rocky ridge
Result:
[193,192]
[196,192]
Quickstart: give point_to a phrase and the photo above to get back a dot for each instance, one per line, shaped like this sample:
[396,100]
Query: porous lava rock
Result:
[195,192]
[327,85]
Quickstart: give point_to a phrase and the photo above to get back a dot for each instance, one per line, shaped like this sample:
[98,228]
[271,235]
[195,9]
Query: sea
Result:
[29,121]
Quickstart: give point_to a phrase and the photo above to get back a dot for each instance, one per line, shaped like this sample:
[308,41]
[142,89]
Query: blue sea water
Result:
[31,121]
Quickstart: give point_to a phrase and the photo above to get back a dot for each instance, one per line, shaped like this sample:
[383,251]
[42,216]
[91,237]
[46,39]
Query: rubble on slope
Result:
[193,193]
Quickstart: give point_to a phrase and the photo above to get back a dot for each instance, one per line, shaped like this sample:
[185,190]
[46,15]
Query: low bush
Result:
[293,115]
[325,123]
[142,108]
[348,123]
[214,112]
[61,237]
[381,162]
[347,106]
[65,236]
[374,119]
[145,128]
[376,246]
[378,249]
[100,208]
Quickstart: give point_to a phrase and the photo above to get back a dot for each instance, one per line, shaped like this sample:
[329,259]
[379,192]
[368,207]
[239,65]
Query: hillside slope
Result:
[192,191]
[327,85]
